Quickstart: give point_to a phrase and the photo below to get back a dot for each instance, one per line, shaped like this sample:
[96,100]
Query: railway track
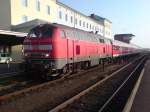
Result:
[48,94]
[5,75]
[11,82]
[15,81]
[107,95]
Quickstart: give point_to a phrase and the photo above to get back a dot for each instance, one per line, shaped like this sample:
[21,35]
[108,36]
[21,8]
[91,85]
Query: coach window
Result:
[62,34]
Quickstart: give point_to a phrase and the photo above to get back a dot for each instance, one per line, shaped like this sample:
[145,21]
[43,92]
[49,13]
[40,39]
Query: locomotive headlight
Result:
[46,55]
[25,54]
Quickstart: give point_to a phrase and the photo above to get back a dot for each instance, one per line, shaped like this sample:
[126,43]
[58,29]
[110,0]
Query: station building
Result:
[22,15]
[16,12]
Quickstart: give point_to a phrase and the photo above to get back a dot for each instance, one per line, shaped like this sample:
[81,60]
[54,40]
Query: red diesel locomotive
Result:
[54,49]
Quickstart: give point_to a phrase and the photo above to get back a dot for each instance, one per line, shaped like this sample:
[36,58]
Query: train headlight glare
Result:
[46,55]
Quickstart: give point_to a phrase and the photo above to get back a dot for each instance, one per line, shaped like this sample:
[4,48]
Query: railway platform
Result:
[139,101]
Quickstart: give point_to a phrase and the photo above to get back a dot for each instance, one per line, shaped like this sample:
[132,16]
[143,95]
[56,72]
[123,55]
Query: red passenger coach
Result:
[121,49]
[54,49]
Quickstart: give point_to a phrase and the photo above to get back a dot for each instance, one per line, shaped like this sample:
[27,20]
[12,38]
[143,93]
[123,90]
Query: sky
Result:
[127,16]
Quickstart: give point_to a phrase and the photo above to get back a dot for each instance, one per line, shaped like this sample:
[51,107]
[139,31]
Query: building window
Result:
[87,25]
[66,17]
[83,24]
[24,3]
[60,15]
[37,5]
[76,21]
[93,28]
[48,9]
[24,19]
[80,23]
[71,19]
[90,26]
[100,31]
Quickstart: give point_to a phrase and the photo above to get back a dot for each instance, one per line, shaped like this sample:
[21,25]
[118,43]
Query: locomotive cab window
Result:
[62,34]
[43,31]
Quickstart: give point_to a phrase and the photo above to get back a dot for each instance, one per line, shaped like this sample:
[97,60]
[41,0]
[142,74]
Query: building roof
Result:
[18,34]
[125,35]
[31,23]
[99,18]
[11,38]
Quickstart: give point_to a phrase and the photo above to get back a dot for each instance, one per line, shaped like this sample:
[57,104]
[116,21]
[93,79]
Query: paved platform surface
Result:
[141,102]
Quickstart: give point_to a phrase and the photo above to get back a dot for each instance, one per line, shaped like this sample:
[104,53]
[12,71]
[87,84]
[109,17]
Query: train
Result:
[54,49]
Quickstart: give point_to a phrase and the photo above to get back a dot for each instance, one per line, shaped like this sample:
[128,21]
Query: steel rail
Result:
[43,85]
[76,97]
[120,87]
[10,74]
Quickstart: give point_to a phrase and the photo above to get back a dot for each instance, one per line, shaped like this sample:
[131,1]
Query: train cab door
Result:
[70,47]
